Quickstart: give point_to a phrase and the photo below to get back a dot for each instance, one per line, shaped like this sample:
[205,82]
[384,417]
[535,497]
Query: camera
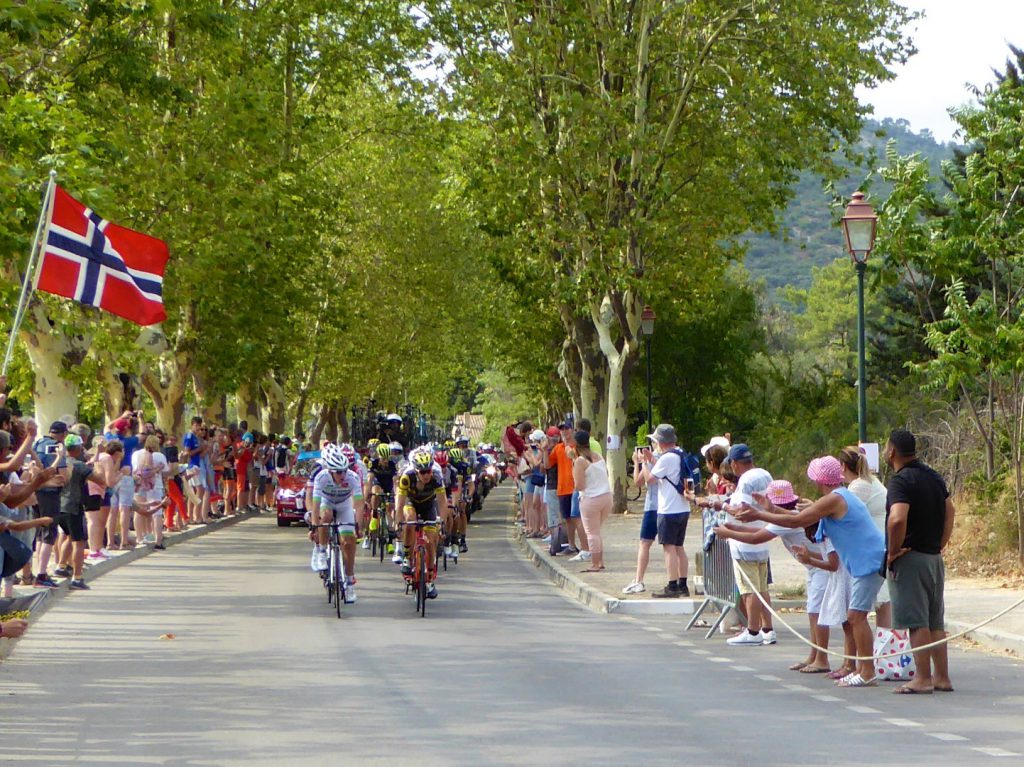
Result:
[51,449]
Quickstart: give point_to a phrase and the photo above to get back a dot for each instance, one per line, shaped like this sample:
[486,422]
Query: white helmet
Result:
[397,446]
[537,435]
[333,459]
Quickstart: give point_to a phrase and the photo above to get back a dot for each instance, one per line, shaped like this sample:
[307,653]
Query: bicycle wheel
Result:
[422,591]
[327,575]
[339,580]
[417,586]
[382,533]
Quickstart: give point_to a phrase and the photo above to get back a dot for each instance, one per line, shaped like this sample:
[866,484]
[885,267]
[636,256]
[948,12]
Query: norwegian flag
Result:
[101,264]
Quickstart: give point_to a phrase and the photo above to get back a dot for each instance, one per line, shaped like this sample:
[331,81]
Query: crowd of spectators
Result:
[867,548]
[72,496]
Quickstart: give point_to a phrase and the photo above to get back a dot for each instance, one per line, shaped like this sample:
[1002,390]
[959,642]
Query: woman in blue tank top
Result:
[845,520]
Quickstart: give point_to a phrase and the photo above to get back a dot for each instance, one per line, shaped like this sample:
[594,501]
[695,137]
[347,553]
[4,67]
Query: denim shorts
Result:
[863,591]
[575,505]
[123,493]
[649,525]
[529,488]
[554,515]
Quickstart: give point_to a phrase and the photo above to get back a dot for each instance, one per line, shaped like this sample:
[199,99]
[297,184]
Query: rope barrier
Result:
[837,654]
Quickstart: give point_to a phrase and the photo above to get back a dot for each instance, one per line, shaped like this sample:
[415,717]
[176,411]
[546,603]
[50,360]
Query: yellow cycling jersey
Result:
[417,495]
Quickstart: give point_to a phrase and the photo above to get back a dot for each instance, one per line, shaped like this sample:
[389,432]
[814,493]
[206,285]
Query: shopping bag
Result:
[897,668]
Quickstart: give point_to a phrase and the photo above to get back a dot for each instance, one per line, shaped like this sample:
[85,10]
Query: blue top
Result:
[131,443]
[856,538]
[191,442]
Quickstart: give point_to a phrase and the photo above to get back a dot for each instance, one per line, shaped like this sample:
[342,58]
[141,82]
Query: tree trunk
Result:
[51,353]
[248,407]
[318,427]
[331,422]
[619,377]
[166,382]
[273,413]
[115,391]
[212,407]
[341,414]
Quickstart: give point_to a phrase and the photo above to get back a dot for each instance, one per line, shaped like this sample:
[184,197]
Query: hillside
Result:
[809,235]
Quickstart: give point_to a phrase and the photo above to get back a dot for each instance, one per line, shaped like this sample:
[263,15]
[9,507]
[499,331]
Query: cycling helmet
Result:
[383,451]
[372,443]
[422,460]
[441,457]
[333,459]
[396,447]
[461,440]
[348,451]
[394,417]
[455,455]
[449,443]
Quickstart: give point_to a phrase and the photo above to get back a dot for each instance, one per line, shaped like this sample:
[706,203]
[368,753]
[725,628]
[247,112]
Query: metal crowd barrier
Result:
[719,579]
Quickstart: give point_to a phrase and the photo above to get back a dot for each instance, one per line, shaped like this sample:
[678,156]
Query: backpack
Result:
[689,468]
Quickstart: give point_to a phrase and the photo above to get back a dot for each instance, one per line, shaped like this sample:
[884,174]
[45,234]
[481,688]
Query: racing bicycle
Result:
[416,581]
[334,575]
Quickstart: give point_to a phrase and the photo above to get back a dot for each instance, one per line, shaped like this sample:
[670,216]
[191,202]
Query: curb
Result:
[992,639]
[44,600]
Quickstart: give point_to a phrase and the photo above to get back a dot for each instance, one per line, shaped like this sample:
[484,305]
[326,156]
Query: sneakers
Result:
[455,554]
[768,637]
[671,591]
[96,556]
[313,560]
[546,539]
[746,638]
[406,567]
[463,547]
[684,591]
[397,558]
[636,587]
[350,595]
[321,559]
[79,585]
[44,581]
[63,572]
[431,591]
[159,547]
[366,542]
[583,556]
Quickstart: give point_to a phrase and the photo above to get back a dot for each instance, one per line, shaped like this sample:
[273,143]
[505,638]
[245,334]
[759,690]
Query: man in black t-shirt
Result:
[919,521]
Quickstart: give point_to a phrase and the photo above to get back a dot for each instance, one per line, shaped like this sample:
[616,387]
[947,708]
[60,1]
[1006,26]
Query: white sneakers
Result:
[397,558]
[350,595]
[762,637]
[314,560]
[321,559]
[636,587]
[366,542]
[583,556]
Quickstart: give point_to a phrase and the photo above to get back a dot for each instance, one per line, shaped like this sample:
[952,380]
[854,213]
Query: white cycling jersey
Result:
[338,496]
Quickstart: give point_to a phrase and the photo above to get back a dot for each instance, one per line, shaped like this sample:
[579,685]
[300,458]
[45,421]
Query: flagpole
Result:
[29,282]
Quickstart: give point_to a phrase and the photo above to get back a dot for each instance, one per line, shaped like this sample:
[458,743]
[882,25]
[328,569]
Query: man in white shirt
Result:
[748,558]
[666,474]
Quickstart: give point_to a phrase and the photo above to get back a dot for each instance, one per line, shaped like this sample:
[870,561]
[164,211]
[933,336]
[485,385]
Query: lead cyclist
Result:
[335,489]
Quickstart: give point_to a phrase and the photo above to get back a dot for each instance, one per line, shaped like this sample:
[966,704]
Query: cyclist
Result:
[335,488]
[450,482]
[398,456]
[421,496]
[468,453]
[380,480]
[465,486]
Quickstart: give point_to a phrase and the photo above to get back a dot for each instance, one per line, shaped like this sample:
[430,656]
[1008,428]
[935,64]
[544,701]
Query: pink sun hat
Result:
[826,471]
[780,492]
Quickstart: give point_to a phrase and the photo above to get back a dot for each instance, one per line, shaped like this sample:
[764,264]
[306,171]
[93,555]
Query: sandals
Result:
[808,669]
[839,673]
[592,570]
[798,666]
[856,680]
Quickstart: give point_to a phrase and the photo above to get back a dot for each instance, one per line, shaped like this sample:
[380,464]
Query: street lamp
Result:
[859,226]
[647,318]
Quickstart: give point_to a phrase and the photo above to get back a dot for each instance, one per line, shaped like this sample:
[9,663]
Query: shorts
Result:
[649,525]
[123,492]
[817,580]
[93,502]
[48,506]
[565,507]
[551,502]
[242,477]
[343,515]
[917,584]
[262,486]
[107,495]
[672,529]
[863,591]
[529,488]
[575,504]
[228,474]
[756,572]
[197,478]
[425,513]
[73,525]
[883,594]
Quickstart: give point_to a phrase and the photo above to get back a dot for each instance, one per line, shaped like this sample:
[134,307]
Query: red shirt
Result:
[243,456]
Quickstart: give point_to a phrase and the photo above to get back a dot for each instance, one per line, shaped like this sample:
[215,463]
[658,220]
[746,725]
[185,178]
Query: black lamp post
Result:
[647,318]
[859,225]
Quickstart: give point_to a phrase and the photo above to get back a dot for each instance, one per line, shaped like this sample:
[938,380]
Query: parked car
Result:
[290,497]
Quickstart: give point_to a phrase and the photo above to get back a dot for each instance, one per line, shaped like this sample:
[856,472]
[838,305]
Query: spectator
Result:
[865,485]
[714,457]
[919,522]
[648,525]
[194,447]
[533,485]
[123,494]
[846,522]
[150,468]
[48,501]
[243,458]
[552,438]
[97,507]
[110,467]
[666,473]
[590,476]
[175,491]
[749,559]
[72,506]
[562,456]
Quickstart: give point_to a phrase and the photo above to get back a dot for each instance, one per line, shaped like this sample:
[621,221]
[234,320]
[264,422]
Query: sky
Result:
[958,42]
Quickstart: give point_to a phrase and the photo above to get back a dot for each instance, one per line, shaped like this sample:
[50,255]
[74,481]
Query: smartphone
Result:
[689,484]
[51,449]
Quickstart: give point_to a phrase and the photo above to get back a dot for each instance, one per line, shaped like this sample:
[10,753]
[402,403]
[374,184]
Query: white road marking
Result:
[684,643]
[720,660]
[741,668]
[768,678]
[903,722]
[945,736]
[863,710]
[666,635]
[991,751]
[827,698]
[797,688]
[651,628]
[701,652]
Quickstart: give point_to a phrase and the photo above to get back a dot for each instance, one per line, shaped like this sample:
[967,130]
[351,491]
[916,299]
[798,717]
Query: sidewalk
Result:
[38,601]
[968,601]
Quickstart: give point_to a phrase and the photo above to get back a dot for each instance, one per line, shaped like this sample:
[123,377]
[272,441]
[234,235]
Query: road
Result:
[504,670]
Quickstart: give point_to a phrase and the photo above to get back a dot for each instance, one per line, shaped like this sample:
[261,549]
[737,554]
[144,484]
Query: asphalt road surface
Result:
[504,670]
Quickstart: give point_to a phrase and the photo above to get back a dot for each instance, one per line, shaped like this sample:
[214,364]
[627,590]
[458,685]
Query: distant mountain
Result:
[809,237]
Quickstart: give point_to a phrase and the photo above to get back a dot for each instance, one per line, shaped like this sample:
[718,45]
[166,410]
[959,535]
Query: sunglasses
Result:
[424,471]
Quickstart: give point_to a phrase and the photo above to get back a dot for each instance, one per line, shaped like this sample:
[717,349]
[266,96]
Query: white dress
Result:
[836,602]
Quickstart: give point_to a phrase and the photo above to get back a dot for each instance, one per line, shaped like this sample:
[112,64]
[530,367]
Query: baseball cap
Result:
[740,453]
[719,441]
[536,435]
[553,431]
[58,427]
[73,440]
[665,434]
[120,424]
[564,425]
